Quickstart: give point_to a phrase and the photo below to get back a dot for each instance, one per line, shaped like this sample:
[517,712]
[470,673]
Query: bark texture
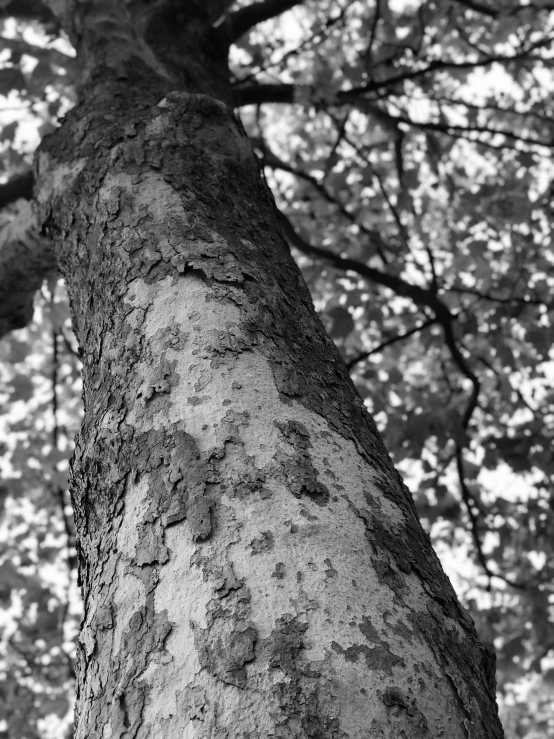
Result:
[251,563]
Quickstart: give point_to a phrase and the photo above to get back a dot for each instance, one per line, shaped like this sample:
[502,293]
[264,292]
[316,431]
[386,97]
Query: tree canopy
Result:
[409,147]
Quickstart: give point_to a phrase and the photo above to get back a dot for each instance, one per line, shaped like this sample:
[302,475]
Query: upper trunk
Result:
[251,564]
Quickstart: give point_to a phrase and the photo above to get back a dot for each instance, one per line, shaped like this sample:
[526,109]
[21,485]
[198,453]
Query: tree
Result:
[147,235]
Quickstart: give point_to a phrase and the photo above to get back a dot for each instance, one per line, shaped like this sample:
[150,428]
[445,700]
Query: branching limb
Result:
[478,7]
[456,130]
[444,317]
[242,20]
[473,520]
[494,299]
[465,369]
[255,93]
[30,10]
[376,350]
[419,295]
[373,32]
[271,160]
[25,261]
[424,297]
[474,525]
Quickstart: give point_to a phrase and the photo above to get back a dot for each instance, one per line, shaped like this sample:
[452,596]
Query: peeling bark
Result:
[252,565]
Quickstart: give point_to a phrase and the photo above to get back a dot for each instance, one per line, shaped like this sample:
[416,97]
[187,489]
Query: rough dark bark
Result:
[252,565]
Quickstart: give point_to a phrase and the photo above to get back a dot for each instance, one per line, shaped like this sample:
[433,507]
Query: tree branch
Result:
[32,10]
[25,261]
[255,93]
[372,33]
[272,160]
[427,297]
[468,499]
[492,13]
[420,296]
[452,129]
[376,350]
[478,8]
[494,299]
[242,20]
[474,524]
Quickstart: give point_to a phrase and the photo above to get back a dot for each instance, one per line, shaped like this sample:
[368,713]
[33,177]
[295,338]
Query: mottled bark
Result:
[251,563]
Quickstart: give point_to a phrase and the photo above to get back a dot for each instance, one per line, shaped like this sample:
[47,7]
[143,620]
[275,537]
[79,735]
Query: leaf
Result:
[434,148]
[11,78]
[410,178]
[404,201]
[10,578]
[45,128]
[21,388]
[342,322]
[8,131]
[58,705]
[541,340]
[19,349]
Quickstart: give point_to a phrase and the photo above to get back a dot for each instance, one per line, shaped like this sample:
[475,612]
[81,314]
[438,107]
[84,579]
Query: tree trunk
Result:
[251,563]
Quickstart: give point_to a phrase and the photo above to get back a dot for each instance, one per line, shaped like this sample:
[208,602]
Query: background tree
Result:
[408,147]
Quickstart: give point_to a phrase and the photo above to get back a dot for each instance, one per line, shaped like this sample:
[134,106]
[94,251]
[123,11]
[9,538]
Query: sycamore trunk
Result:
[251,563]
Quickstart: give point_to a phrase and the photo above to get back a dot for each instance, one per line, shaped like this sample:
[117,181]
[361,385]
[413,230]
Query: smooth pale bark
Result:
[251,563]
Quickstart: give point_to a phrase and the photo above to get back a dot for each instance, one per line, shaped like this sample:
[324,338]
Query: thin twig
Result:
[378,349]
